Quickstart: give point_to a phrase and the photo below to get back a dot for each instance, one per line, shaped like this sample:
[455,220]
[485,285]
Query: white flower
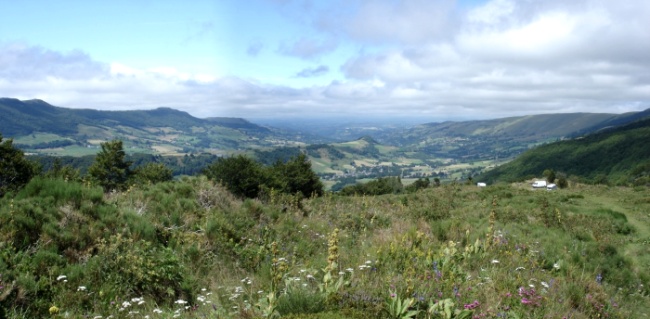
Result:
[341,273]
[350,270]
[81,288]
[61,277]
[368,262]
[157,310]
[180,301]
[545,284]
[494,261]
[520,268]
[556,266]
[126,304]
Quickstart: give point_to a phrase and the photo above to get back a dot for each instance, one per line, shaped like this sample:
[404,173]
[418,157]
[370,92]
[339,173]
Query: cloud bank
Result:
[417,58]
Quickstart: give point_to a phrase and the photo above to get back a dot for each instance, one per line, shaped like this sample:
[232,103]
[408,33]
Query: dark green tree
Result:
[65,172]
[241,175]
[549,174]
[421,183]
[562,181]
[15,169]
[296,176]
[153,173]
[380,186]
[110,169]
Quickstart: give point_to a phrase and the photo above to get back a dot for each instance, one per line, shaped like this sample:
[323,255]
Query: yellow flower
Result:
[54,310]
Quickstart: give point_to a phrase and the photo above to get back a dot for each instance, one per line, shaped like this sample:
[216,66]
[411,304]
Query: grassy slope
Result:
[430,245]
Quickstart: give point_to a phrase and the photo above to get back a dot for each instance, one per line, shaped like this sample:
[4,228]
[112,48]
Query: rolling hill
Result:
[38,127]
[449,150]
[615,155]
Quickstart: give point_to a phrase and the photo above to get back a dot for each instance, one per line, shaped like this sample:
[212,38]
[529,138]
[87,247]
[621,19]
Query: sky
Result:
[427,60]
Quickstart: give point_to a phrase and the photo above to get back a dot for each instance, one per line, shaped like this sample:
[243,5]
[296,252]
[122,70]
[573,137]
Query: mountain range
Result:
[339,151]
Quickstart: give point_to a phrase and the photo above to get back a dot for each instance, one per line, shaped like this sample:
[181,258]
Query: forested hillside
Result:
[618,155]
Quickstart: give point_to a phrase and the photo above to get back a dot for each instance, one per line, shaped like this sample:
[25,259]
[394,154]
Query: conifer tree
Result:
[110,169]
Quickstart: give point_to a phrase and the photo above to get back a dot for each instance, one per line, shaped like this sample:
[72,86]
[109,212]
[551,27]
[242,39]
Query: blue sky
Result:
[421,59]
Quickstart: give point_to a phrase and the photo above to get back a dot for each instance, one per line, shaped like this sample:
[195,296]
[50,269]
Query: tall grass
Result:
[190,249]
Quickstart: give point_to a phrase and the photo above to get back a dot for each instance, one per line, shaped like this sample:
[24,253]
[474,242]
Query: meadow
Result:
[189,249]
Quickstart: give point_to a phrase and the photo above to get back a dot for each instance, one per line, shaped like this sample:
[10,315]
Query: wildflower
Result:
[54,310]
[61,277]
[556,266]
[494,261]
[81,288]
[341,273]
[368,262]
[126,304]
[599,279]
[180,301]
[545,284]
[350,270]
[156,310]
[520,268]
[472,305]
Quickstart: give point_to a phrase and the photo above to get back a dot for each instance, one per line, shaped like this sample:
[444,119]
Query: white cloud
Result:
[416,57]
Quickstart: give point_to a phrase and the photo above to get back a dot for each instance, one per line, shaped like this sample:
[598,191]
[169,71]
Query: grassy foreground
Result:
[188,249]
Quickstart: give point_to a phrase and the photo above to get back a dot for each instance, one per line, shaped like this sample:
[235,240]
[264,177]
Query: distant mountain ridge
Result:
[40,126]
[26,117]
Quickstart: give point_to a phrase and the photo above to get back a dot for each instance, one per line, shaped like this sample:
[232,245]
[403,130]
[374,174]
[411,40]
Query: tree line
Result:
[113,170]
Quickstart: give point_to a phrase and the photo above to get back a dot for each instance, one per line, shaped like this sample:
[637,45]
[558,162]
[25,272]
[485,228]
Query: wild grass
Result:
[189,249]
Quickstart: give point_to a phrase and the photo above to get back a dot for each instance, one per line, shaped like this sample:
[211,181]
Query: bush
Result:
[15,170]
